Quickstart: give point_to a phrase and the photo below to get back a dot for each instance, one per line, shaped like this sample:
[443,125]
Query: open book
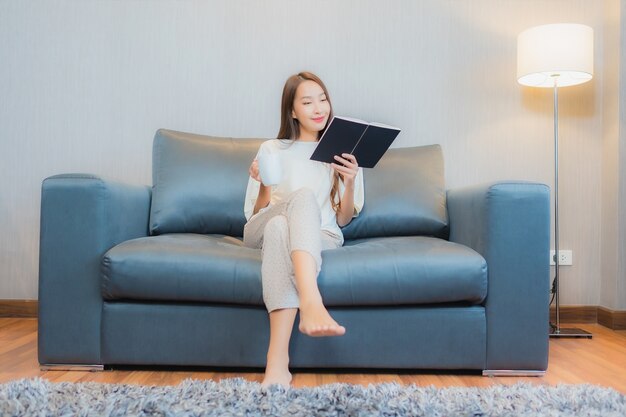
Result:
[368,142]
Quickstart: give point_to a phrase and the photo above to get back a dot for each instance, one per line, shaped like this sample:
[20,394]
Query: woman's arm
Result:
[348,171]
[346,211]
[265,193]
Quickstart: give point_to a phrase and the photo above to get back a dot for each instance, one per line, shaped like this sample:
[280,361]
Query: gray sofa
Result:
[428,278]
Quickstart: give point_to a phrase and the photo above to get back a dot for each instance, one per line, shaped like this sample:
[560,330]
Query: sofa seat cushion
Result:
[183,267]
[219,269]
[402,270]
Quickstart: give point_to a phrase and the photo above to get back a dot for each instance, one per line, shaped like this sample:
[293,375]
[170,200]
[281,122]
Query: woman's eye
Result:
[323,99]
[306,103]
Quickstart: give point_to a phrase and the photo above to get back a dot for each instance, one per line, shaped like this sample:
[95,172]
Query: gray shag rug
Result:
[239,397]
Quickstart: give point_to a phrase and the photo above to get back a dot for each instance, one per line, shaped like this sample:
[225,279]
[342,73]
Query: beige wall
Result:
[621,276]
[620,303]
[610,155]
[85,84]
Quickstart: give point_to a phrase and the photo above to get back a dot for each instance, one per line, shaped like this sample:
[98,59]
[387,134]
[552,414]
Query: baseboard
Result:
[615,320]
[575,314]
[612,319]
[19,308]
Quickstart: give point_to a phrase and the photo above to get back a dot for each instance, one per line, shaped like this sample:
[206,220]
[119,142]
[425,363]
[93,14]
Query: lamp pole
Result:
[556,201]
[558,331]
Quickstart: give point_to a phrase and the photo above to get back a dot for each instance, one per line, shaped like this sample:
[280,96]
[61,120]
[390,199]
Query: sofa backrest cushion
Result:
[199,186]
[199,183]
[405,195]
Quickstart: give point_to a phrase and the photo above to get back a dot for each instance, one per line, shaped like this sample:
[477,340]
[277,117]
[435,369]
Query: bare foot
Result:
[315,321]
[277,376]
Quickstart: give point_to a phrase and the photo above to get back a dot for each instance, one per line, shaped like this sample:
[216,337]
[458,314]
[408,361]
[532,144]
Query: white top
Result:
[299,171]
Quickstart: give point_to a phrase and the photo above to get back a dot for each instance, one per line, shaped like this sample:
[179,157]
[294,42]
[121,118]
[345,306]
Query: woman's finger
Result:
[351,157]
[343,170]
[345,162]
[340,167]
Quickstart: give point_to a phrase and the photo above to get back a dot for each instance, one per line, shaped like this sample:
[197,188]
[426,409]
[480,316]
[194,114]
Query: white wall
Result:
[85,84]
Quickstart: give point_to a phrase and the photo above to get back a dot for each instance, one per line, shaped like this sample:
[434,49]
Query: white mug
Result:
[270,168]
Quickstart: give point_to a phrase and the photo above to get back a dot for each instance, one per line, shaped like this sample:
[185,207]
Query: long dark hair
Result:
[290,127]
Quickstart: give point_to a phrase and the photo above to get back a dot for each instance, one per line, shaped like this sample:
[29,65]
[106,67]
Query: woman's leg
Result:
[306,243]
[279,294]
[272,232]
[277,369]
[291,231]
[314,318]
[280,297]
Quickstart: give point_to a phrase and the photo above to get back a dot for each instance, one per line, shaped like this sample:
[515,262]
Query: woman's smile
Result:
[319,119]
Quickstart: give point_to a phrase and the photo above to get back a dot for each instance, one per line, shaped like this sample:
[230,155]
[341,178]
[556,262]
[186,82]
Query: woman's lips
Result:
[319,119]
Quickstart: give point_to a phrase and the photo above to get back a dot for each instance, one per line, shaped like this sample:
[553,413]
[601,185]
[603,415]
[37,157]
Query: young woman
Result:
[293,221]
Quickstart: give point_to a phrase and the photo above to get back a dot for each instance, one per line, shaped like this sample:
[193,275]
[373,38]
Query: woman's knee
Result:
[305,195]
[277,226]
[304,199]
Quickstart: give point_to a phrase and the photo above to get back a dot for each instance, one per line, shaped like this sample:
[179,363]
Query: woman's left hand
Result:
[347,167]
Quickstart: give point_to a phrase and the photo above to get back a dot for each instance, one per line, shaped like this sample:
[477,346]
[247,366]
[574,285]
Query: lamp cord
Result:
[553,292]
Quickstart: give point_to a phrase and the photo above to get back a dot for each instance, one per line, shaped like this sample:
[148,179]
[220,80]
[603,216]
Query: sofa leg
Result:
[70,367]
[506,372]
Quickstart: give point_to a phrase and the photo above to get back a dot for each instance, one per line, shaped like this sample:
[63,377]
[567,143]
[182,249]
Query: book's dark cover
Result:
[373,145]
[368,143]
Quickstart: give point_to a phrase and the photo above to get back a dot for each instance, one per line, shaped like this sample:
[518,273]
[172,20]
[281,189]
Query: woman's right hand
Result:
[254,170]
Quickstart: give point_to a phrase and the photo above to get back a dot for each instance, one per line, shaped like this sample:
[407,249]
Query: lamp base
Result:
[570,332]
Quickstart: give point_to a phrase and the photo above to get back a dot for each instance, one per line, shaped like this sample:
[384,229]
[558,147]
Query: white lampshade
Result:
[563,50]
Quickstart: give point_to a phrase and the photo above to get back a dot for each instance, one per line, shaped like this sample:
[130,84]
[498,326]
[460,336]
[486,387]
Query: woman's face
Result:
[311,107]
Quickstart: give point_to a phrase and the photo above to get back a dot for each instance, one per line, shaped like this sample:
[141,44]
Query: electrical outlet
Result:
[565,257]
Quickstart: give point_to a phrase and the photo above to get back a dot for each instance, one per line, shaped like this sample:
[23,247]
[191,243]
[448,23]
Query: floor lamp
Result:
[554,56]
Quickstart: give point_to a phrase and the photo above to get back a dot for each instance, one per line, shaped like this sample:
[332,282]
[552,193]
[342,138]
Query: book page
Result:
[352,119]
[383,125]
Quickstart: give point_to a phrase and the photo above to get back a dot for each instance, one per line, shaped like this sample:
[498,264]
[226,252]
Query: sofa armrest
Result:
[508,223]
[82,216]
